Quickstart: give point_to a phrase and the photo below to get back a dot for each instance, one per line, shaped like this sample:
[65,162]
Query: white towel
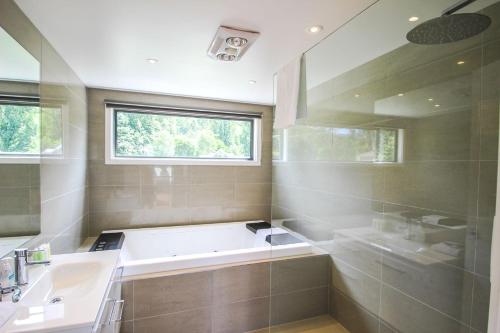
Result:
[7,309]
[290,93]
[494,317]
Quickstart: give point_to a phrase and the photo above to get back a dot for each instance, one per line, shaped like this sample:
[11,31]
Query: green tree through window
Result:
[140,134]
[19,129]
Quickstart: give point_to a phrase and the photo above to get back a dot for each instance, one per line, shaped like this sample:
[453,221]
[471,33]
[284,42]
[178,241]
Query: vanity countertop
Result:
[65,295]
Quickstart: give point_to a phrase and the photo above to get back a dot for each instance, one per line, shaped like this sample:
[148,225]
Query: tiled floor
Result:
[322,324]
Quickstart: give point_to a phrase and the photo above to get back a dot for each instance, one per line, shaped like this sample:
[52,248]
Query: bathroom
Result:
[223,167]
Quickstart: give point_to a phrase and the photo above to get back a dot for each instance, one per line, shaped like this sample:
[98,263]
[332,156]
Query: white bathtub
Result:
[154,250]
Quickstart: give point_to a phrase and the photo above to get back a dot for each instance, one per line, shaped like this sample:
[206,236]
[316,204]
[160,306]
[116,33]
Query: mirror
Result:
[19,145]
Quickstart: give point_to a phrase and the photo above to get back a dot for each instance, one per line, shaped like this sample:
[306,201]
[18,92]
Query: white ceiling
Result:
[106,42]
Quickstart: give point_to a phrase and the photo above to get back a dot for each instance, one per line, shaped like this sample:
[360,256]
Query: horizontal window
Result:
[19,129]
[153,135]
[21,138]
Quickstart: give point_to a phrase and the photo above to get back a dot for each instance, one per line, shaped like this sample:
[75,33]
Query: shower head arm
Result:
[459,5]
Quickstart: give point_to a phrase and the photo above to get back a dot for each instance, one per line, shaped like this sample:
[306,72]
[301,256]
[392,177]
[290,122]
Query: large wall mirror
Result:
[19,144]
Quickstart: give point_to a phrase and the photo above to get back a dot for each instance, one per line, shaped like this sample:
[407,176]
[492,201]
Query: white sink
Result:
[66,294]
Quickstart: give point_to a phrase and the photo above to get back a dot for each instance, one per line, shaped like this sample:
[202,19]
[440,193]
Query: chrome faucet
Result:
[21,263]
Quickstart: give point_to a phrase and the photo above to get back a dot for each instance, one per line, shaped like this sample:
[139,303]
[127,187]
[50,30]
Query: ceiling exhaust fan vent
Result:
[230,44]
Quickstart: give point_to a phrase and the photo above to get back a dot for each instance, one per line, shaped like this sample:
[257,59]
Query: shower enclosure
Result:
[393,174]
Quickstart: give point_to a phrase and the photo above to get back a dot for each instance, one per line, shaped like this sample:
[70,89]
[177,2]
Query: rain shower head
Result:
[449,27]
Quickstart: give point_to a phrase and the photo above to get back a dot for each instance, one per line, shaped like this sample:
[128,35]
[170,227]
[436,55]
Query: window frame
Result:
[20,158]
[111,109]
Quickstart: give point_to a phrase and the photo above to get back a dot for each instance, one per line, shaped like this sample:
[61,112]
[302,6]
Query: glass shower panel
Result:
[391,177]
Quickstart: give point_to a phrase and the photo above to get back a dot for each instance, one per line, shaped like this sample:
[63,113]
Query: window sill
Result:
[179,161]
[16,159]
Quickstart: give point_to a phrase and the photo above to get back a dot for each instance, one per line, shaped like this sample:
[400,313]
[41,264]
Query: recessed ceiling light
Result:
[401,94]
[413,19]
[460,62]
[252,81]
[357,95]
[430,99]
[437,105]
[315,29]
[152,60]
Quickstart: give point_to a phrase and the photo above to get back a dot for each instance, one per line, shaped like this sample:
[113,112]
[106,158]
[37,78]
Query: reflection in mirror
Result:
[19,145]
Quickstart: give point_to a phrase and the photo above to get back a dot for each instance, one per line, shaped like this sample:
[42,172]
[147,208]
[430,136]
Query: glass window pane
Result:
[139,134]
[52,132]
[19,129]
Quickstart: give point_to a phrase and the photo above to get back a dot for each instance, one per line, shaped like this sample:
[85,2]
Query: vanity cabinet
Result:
[110,313]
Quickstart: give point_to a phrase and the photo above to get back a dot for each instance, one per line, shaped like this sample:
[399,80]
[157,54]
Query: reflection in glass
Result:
[393,171]
[19,145]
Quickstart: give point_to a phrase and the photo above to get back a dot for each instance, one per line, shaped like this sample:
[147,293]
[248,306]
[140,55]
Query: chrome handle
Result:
[121,303]
[113,309]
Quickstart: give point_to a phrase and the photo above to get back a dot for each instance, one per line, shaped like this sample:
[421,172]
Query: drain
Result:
[56,300]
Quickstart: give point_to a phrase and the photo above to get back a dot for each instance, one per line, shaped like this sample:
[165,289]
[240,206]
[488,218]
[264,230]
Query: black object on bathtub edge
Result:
[282,239]
[108,241]
[255,226]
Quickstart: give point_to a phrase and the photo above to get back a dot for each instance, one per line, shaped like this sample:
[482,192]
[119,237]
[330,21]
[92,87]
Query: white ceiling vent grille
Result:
[230,44]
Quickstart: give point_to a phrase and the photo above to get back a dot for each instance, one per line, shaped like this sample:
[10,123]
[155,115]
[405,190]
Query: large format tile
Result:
[239,283]
[170,294]
[359,287]
[352,316]
[242,316]
[299,305]
[194,321]
[408,315]
[480,304]
[298,274]
[442,287]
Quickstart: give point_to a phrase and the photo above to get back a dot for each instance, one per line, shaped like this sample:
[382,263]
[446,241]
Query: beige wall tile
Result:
[297,274]
[170,294]
[239,283]
[299,305]
[212,194]
[194,321]
[252,193]
[242,316]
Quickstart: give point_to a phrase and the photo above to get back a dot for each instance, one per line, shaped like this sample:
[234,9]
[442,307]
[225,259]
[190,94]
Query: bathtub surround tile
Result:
[127,327]
[239,283]
[299,305]
[237,297]
[298,274]
[153,297]
[195,321]
[128,296]
[162,195]
[241,316]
